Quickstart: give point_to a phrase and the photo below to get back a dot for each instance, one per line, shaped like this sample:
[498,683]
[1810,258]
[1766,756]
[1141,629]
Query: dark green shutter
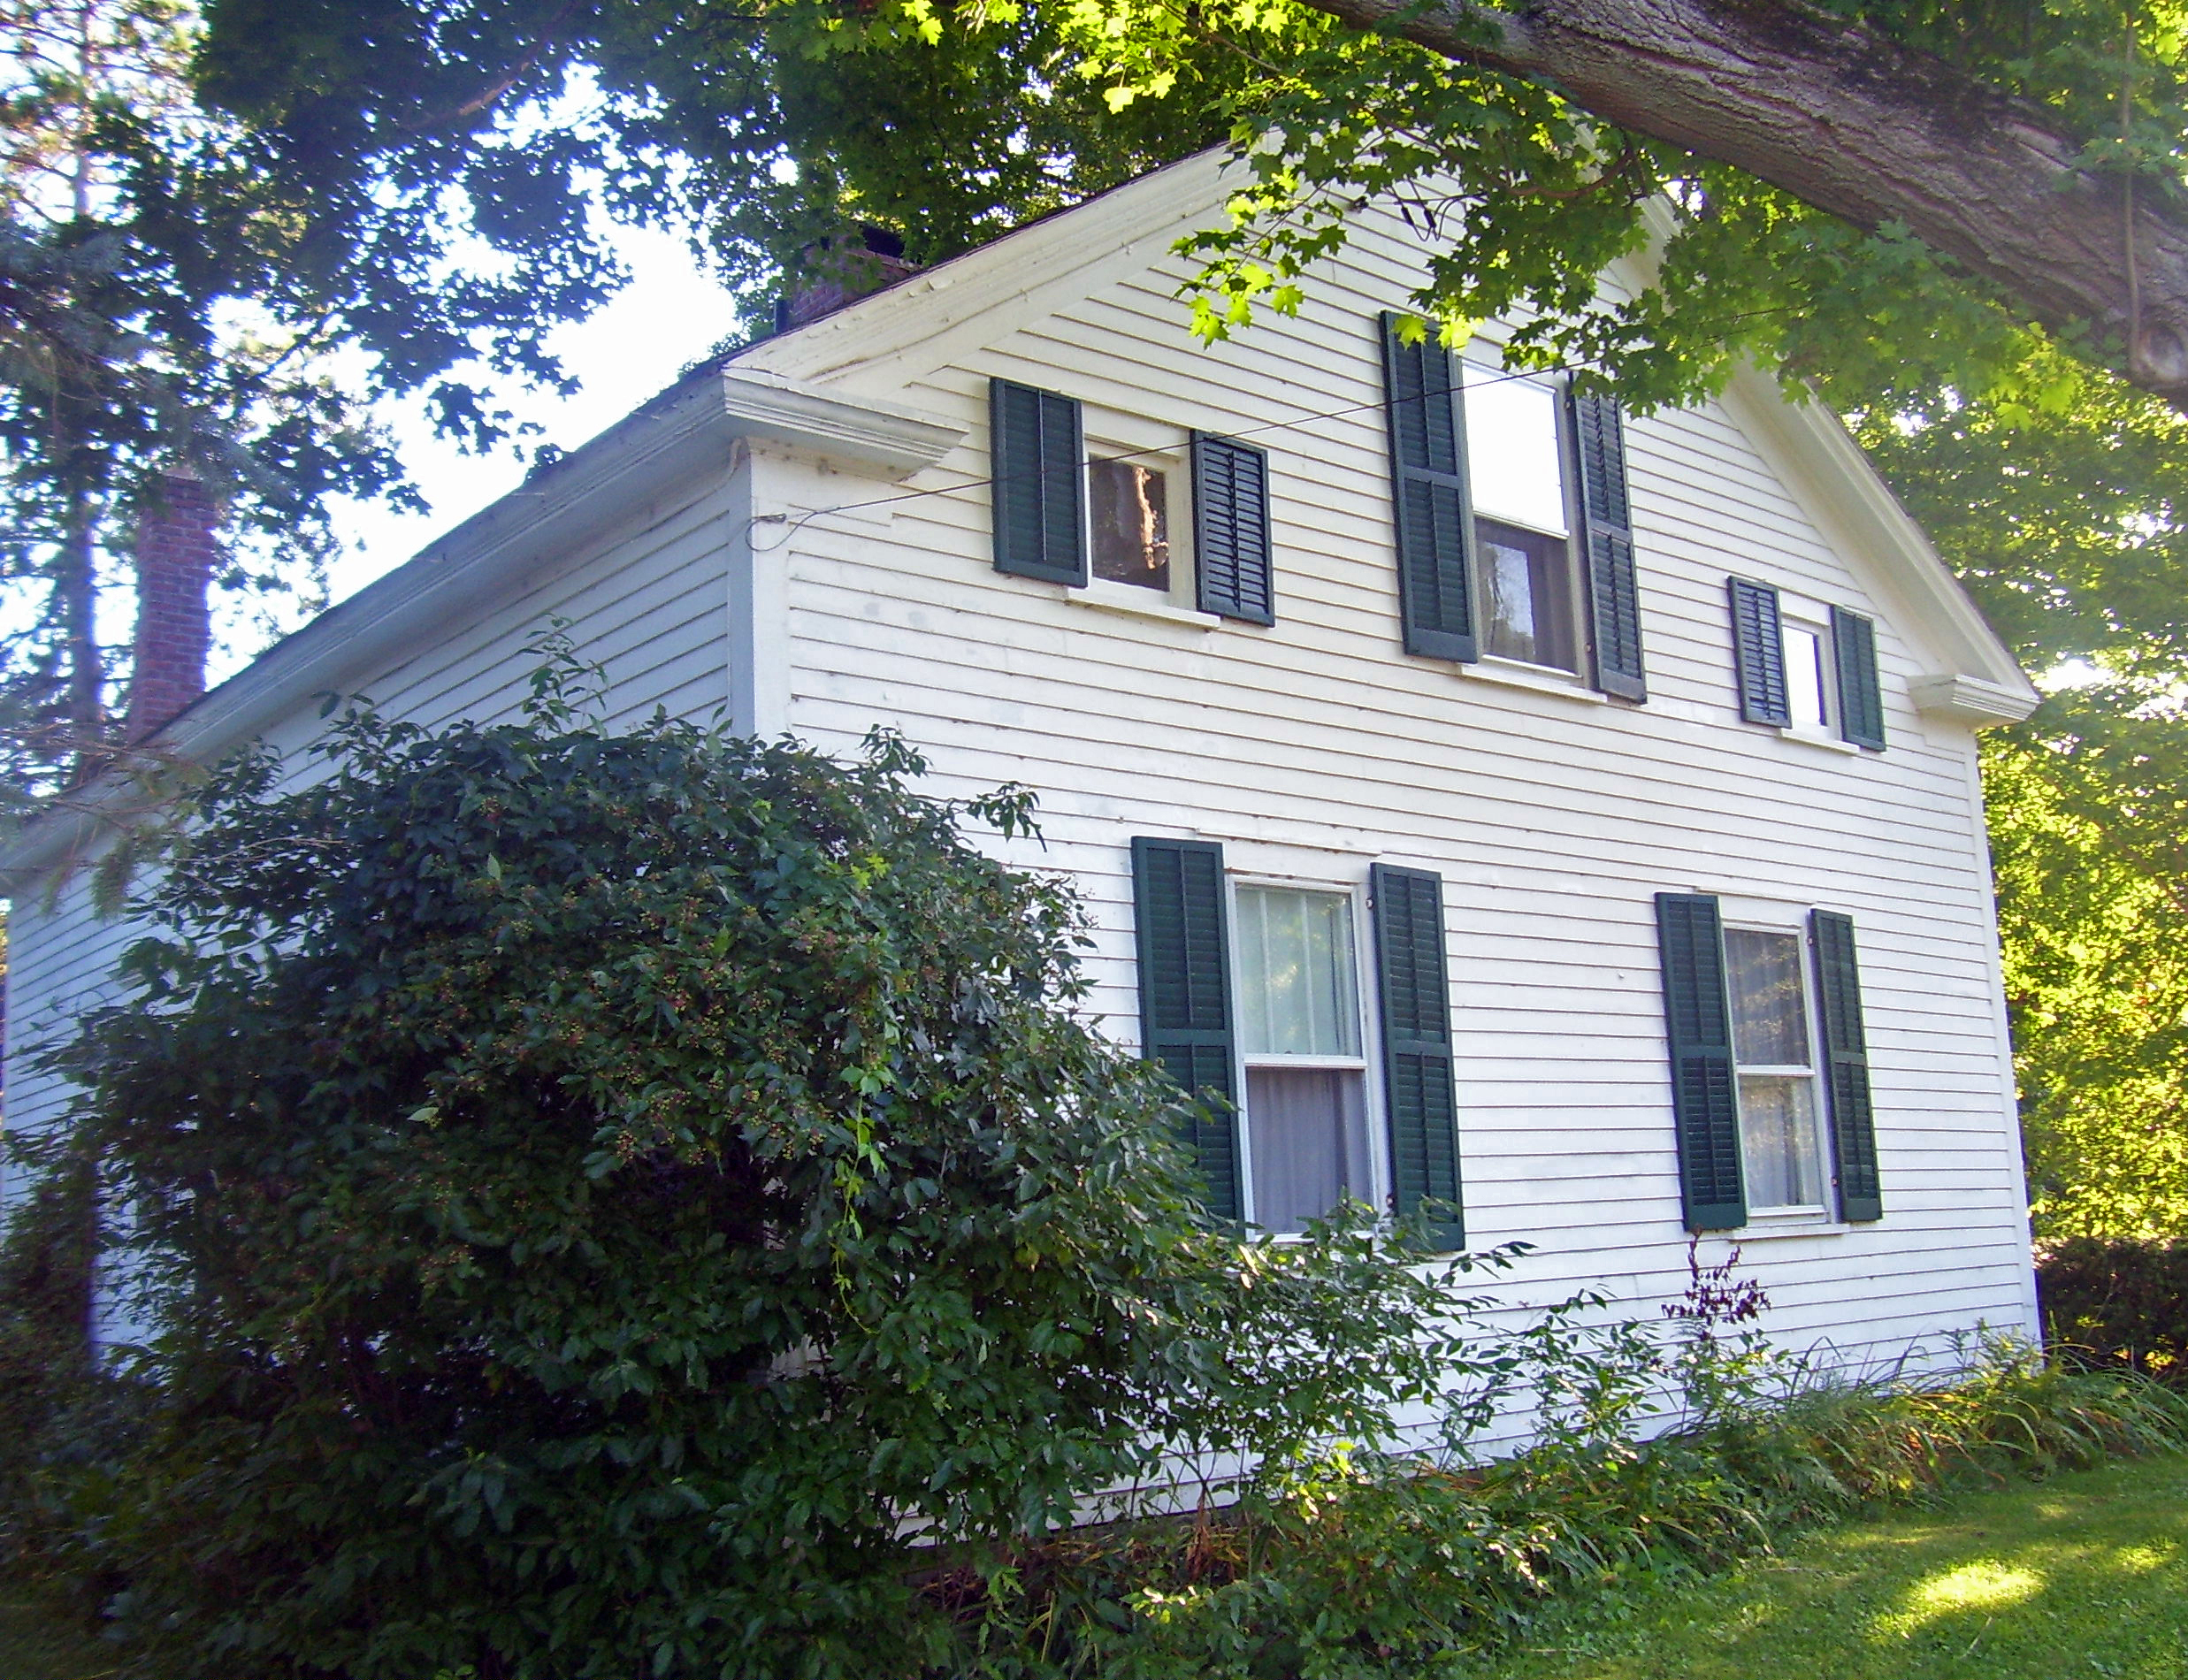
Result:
[1428,492]
[1185,996]
[1231,530]
[1607,543]
[1846,1066]
[1759,653]
[1705,1087]
[1861,696]
[1034,453]
[1417,1048]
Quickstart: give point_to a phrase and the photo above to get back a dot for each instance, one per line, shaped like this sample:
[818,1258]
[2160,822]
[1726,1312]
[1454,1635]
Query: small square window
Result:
[1298,1001]
[1781,1136]
[1128,516]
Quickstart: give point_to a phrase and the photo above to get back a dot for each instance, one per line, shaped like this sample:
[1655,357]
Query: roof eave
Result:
[690,429]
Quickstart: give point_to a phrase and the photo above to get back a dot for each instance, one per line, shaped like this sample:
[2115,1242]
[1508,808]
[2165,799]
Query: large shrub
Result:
[2119,1300]
[602,1197]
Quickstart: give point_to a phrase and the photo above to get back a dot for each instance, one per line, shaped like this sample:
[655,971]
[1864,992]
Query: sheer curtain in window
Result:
[1308,1135]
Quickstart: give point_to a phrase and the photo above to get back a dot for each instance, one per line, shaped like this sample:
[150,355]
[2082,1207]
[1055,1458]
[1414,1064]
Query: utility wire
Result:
[792,527]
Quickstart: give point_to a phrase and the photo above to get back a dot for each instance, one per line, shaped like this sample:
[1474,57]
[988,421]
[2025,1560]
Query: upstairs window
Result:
[1513,519]
[1188,522]
[1523,538]
[1129,515]
[1808,670]
[1807,703]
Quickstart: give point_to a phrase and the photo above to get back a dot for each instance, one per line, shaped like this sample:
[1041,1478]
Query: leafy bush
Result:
[2119,1300]
[1657,1453]
[602,1196]
[45,1308]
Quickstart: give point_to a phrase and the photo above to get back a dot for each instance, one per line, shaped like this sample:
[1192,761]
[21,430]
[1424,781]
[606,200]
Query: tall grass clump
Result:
[1659,1449]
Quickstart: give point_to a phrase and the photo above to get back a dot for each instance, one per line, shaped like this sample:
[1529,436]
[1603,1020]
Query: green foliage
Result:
[1661,1451]
[45,1310]
[598,1194]
[788,121]
[2119,1301]
[2066,520]
[2087,805]
[2062,512]
[160,309]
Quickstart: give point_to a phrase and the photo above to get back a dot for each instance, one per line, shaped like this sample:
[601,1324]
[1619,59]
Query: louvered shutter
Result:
[1861,695]
[1231,530]
[1759,653]
[1428,490]
[1417,1048]
[1705,1087]
[1607,538]
[1846,1066]
[1185,998]
[1034,452]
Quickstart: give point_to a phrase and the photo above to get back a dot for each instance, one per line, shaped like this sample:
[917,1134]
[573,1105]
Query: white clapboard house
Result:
[1568,818]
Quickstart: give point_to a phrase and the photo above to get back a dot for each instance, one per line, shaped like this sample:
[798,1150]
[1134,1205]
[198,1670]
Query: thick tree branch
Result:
[1852,122]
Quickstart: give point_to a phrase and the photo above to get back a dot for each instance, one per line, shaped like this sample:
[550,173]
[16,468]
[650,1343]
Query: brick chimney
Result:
[176,553]
[842,270]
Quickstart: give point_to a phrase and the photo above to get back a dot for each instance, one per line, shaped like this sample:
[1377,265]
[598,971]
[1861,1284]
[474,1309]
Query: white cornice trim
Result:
[692,428]
[862,431]
[1970,700]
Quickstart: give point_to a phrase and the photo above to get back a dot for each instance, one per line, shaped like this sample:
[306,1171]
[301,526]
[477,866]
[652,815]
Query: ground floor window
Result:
[1770,1099]
[1314,1022]
[1300,1039]
[1781,1135]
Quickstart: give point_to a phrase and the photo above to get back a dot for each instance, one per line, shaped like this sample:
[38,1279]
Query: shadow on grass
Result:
[2082,1575]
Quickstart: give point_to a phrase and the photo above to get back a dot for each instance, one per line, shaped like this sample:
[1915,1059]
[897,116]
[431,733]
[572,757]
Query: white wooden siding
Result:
[650,605]
[1554,819]
[1316,746]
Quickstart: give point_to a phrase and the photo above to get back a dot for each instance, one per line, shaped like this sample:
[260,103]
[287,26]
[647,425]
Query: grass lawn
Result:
[2083,1577]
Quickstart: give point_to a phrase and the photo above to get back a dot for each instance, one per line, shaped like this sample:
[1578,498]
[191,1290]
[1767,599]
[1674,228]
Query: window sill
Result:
[1536,678]
[1130,601]
[1826,743]
[1766,1227]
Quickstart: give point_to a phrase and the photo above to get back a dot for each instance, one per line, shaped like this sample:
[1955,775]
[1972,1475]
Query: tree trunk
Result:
[75,588]
[1852,122]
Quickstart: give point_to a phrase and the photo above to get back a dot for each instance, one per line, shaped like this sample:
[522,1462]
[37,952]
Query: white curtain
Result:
[1307,1132]
[1296,991]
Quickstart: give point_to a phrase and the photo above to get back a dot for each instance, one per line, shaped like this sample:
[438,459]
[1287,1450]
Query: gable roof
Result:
[880,342]
[826,385]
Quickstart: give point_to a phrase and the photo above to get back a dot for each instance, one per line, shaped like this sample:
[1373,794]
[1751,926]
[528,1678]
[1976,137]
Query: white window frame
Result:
[1577,628]
[1750,917]
[1376,1193]
[1813,618]
[1109,435]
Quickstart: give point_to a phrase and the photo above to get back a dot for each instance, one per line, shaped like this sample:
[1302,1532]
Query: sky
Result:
[669,315]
